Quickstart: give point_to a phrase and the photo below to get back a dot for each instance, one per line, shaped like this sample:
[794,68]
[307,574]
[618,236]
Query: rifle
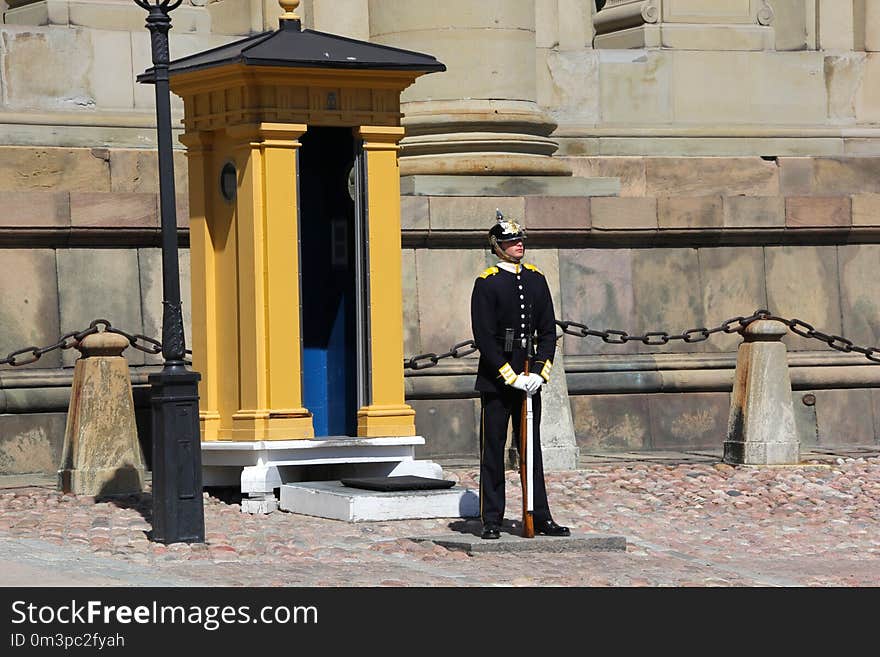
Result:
[526,440]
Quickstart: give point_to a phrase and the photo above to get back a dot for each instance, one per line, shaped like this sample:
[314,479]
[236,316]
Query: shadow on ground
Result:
[474,527]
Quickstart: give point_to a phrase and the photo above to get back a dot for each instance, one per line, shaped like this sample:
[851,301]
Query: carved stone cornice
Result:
[619,15]
[708,25]
[765,13]
[651,11]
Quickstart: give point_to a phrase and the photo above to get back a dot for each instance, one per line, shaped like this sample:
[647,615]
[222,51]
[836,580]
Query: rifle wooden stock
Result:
[527,519]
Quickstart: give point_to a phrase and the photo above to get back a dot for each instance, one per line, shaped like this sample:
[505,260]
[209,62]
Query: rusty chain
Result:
[70,340]
[459,350]
[659,338]
[149,345]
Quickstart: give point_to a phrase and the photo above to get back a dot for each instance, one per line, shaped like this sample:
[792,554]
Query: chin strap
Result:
[503,256]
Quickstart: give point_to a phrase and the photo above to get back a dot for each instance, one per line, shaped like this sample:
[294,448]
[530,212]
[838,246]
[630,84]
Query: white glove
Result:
[521,382]
[534,383]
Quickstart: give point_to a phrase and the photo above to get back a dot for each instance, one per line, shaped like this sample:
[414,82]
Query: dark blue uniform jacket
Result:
[519,301]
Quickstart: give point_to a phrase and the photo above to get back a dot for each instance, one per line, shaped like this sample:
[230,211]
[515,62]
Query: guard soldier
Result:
[511,302]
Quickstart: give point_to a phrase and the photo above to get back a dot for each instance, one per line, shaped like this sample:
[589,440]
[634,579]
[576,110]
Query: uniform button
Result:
[523,325]
[521,296]
[520,287]
[521,306]
[522,316]
[517,278]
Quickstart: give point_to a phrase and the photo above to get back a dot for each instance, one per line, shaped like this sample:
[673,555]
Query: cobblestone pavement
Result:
[692,523]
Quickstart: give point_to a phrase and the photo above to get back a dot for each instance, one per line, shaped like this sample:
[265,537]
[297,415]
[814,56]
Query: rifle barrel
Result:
[524,462]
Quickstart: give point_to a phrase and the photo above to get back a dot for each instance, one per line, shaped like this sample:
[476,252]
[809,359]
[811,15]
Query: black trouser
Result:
[497,411]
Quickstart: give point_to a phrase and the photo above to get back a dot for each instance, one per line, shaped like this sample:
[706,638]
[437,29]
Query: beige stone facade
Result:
[742,137]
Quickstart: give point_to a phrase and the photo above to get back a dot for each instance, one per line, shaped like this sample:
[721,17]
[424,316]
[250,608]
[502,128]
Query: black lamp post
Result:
[178,511]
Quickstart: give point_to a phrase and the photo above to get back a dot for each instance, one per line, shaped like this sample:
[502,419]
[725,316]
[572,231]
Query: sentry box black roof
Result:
[291,46]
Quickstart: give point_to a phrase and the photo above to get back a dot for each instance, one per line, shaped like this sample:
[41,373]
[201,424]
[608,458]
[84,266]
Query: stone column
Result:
[481,115]
[350,18]
[241,16]
[872,25]
[761,428]
[836,28]
[101,454]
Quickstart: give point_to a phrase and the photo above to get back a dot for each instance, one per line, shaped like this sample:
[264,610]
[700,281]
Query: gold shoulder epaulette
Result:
[491,271]
[533,268]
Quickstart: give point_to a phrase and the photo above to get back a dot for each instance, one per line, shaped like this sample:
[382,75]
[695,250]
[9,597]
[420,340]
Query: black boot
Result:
[550,528]
[491,530]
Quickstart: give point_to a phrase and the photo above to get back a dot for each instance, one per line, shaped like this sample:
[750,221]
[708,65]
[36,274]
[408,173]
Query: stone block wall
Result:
[74,86]
[79,235]
[690,242]
[79,240]
[798,236]
[747,179]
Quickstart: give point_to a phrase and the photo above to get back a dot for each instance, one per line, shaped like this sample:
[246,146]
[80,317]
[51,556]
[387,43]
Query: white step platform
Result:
[260,467]
[335,500]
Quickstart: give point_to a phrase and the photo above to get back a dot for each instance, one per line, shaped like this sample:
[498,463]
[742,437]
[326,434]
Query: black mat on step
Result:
[405,482]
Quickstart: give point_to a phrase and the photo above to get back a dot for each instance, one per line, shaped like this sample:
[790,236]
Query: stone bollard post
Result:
[559,448]
[761,428]
[101,454]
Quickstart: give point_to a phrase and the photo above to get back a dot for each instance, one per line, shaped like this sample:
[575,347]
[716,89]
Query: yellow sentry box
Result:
[281,128]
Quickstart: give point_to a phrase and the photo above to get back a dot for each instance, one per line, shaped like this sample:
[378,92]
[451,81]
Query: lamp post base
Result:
[178,506]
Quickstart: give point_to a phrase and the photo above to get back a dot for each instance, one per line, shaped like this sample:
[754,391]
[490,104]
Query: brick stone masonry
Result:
[689,521]
[743,147]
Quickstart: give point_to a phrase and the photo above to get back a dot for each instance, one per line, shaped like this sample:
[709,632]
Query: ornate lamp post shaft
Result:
[178,512]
